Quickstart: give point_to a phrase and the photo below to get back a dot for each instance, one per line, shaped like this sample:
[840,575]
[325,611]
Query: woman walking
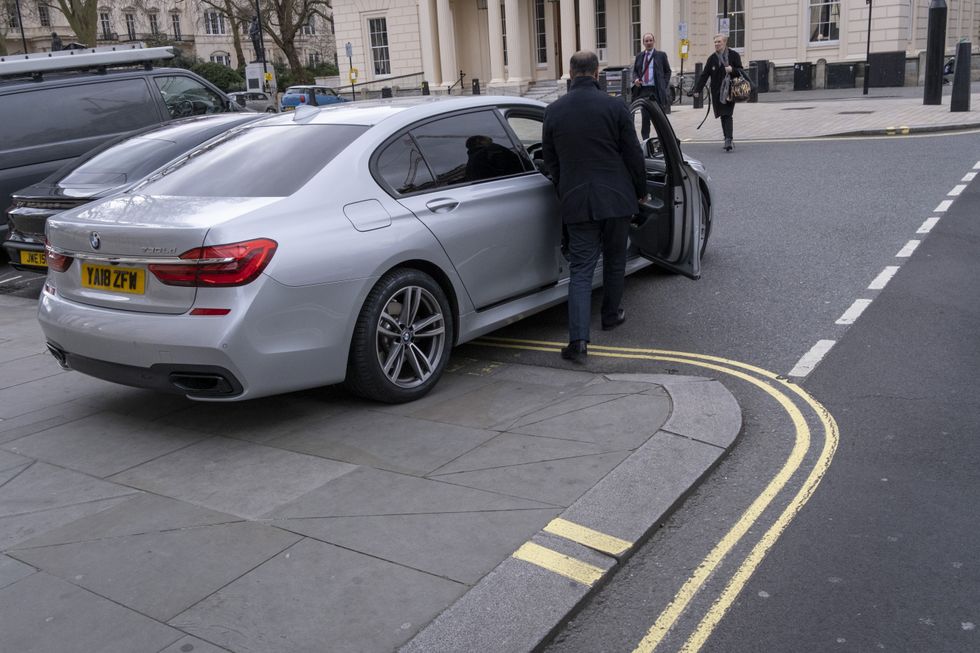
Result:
[721,64]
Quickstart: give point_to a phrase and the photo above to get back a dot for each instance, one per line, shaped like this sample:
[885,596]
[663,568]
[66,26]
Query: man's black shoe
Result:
[576,351]
[620,318]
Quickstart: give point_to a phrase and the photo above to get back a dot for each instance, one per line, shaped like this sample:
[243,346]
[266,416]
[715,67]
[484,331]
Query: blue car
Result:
[312,95]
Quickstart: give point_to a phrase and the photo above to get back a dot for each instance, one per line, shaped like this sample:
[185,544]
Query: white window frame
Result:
[314,58]
[105,25]
[214,23]
[309,27]
[736,17]
[601,30]
[540,35]
[175,25]
[12,16]
[43,14]
[374,50]
[830,4]
[154,18]
[223,58]
[130,20]
[635,29]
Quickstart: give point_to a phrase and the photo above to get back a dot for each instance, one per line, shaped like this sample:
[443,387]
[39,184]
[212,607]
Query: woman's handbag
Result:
[739,89]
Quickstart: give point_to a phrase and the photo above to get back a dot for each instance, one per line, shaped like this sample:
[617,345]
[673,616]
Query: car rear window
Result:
[272,161]
[123,162]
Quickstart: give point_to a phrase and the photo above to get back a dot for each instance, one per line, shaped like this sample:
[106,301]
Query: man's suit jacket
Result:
[593,155]
[661,73]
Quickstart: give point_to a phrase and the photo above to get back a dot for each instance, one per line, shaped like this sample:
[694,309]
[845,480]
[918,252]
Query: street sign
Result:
[682,30]
[723,26]
[684,48]
[268,77]
[349,49]
[353,75]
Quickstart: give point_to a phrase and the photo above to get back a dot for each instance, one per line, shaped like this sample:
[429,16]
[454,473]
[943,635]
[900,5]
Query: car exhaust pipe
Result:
[59,355]
[201,384]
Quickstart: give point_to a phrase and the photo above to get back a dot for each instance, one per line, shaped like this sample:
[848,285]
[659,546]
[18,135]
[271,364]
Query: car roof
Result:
[63,78]
[372,112]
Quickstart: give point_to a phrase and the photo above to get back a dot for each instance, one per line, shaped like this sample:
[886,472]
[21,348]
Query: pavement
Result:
[477,518]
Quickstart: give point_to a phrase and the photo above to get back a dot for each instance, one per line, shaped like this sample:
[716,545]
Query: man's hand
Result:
[636,82]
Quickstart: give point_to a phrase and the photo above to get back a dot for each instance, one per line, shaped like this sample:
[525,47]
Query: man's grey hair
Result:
[583,63]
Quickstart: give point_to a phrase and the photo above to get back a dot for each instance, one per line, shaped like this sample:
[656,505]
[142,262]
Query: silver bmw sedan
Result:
[357,243]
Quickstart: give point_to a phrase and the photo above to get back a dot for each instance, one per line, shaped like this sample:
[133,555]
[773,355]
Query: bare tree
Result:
[283,21]
[83,18]
[237,13]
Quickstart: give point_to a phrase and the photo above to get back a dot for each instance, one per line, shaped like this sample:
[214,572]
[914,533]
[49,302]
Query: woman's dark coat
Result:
[714,71]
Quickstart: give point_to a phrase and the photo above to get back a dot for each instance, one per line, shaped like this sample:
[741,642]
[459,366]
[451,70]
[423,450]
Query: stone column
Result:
[447,42]
[568,40]
[586,24]
[515,35]
[496,43]
[647,20]
[668,33]
[429,44]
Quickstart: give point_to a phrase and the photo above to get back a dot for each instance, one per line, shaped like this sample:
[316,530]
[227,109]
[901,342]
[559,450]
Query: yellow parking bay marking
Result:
[587,536]
[559,563]
[668,618]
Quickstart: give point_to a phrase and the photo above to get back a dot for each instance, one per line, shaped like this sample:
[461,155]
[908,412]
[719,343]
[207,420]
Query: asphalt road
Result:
[883,557]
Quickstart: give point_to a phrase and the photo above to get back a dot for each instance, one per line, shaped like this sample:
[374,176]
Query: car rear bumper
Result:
[286,338]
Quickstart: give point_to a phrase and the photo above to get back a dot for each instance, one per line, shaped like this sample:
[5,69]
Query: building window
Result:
[43,15]
[378,32]
[636,35]
[309,27]
[12,16]
[154,24]
[503,29]
[736,21]
[175,22]
[824,21]
[313,59]
[214,23]
[105,26]
[600,25]
[222,58]
[540,37]
[130,26]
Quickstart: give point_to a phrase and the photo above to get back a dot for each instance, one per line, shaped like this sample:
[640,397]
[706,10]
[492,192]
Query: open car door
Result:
[671,225]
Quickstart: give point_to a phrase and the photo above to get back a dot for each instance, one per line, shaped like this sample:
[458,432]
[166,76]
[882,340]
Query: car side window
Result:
[529,130]
[51,115]
[185,96]
[401,166]
[467,148]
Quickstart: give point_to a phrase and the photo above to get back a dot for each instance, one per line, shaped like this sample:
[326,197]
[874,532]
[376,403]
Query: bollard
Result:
[425,88]
[699,98]
[385,91]
[935,47]
[960,100]
[476,86]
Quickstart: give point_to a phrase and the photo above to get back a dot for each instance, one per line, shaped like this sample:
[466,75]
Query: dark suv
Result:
[57,106]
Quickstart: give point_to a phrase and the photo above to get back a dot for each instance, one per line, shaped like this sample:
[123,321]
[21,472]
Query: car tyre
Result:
[402,339]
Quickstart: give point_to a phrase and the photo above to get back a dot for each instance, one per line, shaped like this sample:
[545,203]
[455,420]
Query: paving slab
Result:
[12,571]
[316,596]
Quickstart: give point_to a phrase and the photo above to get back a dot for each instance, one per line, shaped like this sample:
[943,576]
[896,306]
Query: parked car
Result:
[58,105]
[254,100]
[362,249]
[108,169]
[313,95]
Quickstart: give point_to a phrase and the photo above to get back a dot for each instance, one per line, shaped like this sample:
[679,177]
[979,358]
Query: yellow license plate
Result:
[113,279]
[33,258]
[288,108]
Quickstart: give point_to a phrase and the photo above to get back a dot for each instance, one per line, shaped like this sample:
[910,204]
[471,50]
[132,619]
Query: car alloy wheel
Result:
[402,339]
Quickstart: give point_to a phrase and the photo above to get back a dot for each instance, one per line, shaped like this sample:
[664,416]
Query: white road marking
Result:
[976,166]
[854,312]
[908,249]
[882,279]
[812,358]
[927,225]
[10,279]
[957,189]
[970,176]
[943,206]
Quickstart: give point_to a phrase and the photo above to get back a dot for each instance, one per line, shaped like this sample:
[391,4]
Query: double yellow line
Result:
[781,391]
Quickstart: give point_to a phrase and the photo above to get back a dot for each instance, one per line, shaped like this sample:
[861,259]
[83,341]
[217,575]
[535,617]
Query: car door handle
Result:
[441,205]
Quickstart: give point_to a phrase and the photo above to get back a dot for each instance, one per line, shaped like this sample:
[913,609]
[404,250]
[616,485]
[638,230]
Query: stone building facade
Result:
[194,27]
[508,44]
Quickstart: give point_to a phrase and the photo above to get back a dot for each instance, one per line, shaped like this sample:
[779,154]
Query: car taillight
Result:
[235,264]
[56,261]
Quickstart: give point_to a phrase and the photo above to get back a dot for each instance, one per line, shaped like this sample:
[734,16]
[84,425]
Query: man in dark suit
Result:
[651,78]
[593,155]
